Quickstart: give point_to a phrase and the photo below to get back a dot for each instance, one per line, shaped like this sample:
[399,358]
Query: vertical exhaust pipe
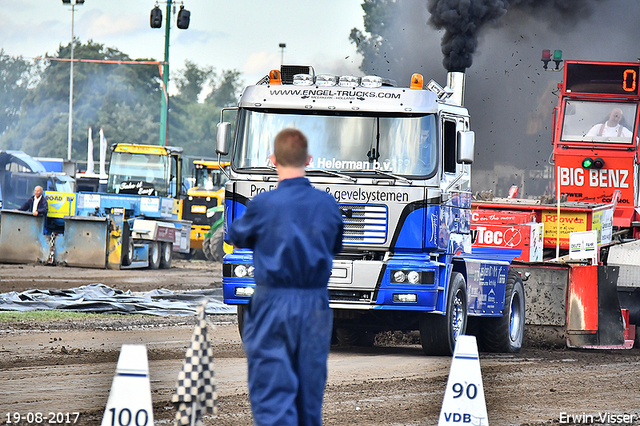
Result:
[456,82]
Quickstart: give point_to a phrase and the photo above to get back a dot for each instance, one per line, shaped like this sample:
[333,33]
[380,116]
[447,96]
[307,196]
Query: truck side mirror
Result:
[222,139]
[466,147]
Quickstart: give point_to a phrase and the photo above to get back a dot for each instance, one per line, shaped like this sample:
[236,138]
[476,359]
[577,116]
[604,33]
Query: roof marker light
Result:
[274,77]
[349,81]
[303,79]
[416,81]
[371,81]
[326,80]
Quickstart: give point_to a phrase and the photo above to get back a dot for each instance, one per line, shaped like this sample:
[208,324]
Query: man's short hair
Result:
[290,148]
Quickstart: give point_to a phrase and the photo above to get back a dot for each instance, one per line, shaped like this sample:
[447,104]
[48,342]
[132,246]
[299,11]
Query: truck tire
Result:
[166,254]
[154,255]
[127,253]
[355,337]
[438,333]
[216,245]
[206,249]
[240,312]
[505,334]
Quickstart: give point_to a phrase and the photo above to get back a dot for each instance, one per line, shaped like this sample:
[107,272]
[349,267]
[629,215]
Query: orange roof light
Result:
[274,77]
[416,81]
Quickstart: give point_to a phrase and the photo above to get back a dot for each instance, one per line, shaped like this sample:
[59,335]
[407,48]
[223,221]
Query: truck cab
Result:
[397,161]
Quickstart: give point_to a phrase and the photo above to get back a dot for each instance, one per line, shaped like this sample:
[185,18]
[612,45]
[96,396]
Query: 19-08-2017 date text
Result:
[36,418]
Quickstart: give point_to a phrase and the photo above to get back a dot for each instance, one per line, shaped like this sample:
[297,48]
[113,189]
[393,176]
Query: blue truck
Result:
[398,162]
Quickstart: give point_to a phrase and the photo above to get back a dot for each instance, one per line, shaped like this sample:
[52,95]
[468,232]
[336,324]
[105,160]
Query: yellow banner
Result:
[141,149]
[61,204]
[569,222]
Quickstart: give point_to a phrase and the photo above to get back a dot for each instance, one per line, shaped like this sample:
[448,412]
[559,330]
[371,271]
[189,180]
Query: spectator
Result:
[36,204]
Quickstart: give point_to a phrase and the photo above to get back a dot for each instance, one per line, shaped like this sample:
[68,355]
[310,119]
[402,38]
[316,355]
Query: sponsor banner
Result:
[602,222]
[596,185]
[61,204]
[569,222]
[583,245]
[481,216]
[526,237]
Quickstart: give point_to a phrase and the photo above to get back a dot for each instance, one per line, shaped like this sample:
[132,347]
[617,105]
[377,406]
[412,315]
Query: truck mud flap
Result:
[84,243]
[22,238]
[594,317]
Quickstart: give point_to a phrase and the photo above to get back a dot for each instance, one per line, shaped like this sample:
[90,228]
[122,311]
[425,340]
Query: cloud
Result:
[260,63]
[101,25]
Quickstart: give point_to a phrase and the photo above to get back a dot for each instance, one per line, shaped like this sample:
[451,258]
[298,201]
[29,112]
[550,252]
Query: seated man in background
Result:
[36,204]
[612,127]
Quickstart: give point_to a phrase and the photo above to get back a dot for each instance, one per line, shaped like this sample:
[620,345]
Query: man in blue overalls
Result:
[294,232]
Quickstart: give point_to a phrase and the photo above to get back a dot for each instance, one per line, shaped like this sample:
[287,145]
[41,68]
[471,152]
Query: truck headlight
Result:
[399,276]
[412,277]
[243,271]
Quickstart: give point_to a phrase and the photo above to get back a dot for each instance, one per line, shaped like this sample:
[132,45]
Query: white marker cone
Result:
[463,402]
[129,401]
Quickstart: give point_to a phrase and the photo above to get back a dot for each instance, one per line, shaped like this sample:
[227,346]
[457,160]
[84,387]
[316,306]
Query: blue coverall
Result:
[294,231]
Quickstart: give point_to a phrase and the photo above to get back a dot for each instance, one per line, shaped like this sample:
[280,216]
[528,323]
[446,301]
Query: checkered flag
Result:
[196,391]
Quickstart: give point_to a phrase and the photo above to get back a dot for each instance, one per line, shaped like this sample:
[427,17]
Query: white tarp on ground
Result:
[98,298]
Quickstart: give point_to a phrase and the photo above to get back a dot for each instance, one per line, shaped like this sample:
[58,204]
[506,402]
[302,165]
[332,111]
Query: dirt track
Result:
[68,366]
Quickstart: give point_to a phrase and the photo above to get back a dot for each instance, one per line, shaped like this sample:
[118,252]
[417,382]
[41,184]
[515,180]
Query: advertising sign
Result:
[61,204]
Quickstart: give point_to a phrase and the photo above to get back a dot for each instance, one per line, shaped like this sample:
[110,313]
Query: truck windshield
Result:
[144,174]
[405,145]
[210,179]
[608,122]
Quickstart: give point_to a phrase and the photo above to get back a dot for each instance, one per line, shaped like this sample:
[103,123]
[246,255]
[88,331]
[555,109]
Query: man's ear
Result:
[309,158]
[272,158]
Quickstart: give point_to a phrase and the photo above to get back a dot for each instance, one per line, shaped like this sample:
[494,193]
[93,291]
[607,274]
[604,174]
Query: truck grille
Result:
[203,203]
[364,223]
[349,296]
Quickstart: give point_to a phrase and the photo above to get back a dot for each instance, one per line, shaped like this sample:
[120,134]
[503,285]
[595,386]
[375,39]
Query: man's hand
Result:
[35,213]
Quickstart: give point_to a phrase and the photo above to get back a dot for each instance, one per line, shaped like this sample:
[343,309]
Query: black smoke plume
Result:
[464,20]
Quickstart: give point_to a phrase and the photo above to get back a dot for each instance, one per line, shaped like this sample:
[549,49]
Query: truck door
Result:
[454,220]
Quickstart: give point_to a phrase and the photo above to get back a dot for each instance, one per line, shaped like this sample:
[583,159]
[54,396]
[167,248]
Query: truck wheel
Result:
[166,252]
[154,255]
[438,333]
[355,337]
[127,253]
[505,334]
[216,245]
[240,310]
[206,249]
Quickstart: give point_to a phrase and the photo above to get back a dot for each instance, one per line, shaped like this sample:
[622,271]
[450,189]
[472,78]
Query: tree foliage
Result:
[374,42]
[16,76]
[122,99]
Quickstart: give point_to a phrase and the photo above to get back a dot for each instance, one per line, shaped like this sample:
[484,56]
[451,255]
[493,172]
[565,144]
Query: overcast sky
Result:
[236,34]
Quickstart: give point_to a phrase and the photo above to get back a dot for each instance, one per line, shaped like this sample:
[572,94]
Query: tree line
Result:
[122,99]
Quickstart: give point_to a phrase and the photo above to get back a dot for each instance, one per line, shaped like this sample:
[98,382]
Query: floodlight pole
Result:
[165,78]
[70,138]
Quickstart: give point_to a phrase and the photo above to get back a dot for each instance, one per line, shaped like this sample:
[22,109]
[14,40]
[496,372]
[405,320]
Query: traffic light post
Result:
[156,22]
[165,79]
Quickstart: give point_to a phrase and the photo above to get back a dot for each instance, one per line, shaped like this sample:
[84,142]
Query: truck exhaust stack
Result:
[456,82]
